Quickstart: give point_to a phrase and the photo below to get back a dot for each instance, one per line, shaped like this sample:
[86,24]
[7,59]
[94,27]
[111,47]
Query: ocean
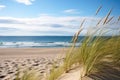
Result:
[35,41]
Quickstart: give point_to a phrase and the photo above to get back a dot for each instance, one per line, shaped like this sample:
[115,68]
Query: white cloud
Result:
[2,6]
[43,25]
[26,2]
[71,11]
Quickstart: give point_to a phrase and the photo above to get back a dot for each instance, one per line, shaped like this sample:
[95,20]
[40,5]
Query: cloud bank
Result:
[46,25]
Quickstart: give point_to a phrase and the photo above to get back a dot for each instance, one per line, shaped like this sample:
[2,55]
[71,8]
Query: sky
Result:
[52,17]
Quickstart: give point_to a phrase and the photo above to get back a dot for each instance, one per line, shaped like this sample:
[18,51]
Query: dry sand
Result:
[26,52]
[40,59]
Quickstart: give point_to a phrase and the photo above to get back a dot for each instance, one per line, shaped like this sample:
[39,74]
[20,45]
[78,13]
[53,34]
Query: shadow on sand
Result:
[108,72]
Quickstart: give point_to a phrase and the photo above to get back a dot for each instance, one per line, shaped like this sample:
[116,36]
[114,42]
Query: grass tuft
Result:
[28,75]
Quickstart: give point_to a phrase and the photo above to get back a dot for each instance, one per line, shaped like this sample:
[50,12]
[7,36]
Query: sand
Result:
[13,60]
[41,59]
[27,52]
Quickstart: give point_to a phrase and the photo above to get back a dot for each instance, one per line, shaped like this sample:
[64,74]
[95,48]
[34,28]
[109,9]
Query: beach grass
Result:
[55,73]
[94,50]
[28,75]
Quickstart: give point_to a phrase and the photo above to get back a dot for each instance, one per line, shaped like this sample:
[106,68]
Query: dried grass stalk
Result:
[97,11]
[107,17]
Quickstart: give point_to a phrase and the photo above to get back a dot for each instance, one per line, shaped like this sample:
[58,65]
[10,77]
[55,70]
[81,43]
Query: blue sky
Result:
[51,17]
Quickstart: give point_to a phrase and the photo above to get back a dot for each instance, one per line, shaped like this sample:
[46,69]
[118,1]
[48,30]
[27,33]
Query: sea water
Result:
[35,41]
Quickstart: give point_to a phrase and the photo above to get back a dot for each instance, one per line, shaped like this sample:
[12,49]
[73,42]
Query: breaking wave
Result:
[35,44]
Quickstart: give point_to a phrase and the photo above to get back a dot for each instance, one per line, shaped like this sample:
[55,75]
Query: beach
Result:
[41,59]
[15,60]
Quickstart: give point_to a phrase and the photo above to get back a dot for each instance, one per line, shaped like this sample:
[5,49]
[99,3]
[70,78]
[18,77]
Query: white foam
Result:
[35,44]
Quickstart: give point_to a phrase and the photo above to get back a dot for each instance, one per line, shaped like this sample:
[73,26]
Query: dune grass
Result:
[94,50]
[55,73]
[28,75]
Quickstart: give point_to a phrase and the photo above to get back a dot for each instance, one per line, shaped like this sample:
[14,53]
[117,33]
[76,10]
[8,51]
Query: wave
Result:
[35,44]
